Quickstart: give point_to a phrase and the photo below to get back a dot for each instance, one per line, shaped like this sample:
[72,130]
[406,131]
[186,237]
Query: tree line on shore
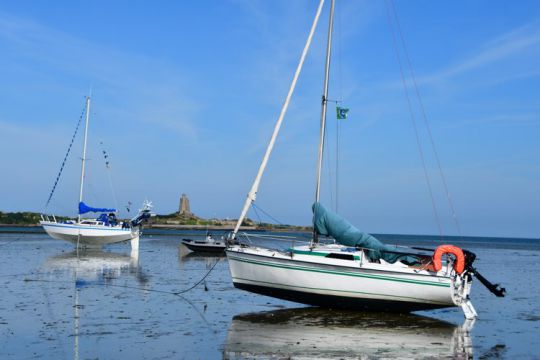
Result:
[28,218]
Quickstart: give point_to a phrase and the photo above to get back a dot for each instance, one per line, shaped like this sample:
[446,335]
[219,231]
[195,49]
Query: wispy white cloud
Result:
[507,119]
[144,90]
[513,43]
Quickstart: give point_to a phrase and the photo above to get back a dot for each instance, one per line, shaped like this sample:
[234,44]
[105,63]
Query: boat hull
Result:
[334,286]
[89,235]
[203,246]
[337,302]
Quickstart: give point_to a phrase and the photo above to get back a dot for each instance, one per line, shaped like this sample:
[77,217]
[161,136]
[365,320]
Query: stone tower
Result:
[184,208]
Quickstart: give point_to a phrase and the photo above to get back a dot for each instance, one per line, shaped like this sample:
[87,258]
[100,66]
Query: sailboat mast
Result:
[84,152]
[323,111]
[255,187]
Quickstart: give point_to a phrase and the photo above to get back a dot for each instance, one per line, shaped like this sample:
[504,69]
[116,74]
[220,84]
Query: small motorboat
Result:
[208,245]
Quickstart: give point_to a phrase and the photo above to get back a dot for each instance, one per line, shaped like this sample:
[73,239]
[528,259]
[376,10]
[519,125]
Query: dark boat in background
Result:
[208,245]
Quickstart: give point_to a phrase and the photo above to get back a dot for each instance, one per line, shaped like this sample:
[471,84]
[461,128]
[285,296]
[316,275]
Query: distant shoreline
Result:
[386,237]
[20,225]
[198,227]
[175,221]
[182,227]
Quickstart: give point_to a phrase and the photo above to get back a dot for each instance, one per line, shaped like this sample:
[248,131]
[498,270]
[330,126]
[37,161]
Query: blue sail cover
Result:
[83,209]
[328,223]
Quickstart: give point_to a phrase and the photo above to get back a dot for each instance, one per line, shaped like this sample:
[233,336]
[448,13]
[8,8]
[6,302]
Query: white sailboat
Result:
[358,271]
[103,230]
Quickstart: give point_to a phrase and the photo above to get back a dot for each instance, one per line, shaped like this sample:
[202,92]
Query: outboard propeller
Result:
[494,288]
[144,214]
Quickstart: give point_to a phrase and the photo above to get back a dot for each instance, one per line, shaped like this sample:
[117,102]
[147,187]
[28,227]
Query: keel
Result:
[135,243]
[468,310]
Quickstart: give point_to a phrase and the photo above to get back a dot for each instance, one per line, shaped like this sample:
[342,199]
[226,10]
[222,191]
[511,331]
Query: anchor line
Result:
[200,281]
[177,293]
[11,241]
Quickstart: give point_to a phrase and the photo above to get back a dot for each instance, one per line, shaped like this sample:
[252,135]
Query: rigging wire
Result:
[257,214]
[265,213]
[65,158]
[90,186]
[424,116]
[328,165]
[413,120]
[106,157]
[334,181]
[89,172]
[338,126]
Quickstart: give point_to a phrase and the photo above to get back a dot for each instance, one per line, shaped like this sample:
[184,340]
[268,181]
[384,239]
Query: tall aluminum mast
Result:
[323,113]
[84,152]
[255,187]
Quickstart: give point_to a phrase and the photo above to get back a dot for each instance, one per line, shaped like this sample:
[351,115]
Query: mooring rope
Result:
[177,293]
[11,241]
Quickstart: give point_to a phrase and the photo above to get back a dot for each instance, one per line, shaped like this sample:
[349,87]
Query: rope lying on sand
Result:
[177,293]
[11,241]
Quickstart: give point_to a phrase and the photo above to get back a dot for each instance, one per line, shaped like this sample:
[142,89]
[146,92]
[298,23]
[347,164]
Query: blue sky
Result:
[185,96]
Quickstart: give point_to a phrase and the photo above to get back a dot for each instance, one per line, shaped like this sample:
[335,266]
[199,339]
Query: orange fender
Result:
[459,264]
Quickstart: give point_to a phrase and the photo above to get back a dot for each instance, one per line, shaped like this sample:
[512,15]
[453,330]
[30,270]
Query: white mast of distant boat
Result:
[252,195]
[84,154]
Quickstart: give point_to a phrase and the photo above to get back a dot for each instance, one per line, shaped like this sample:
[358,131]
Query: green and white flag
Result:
[341,113]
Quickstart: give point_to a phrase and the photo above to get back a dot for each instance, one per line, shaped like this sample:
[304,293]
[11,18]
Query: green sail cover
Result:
[328,223]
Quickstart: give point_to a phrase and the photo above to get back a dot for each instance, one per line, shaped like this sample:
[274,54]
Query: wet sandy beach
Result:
[117,304]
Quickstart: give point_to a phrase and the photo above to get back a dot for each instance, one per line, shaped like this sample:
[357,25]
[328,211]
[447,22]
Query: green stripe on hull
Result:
[301,268]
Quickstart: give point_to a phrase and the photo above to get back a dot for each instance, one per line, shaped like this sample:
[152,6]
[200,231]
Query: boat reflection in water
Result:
[186,256]
[92,267]
[97,265]
[322,333]
[195,256]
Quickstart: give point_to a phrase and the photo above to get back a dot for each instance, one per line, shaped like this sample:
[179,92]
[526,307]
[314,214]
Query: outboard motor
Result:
[470,270]
[144,214]
[496,289]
